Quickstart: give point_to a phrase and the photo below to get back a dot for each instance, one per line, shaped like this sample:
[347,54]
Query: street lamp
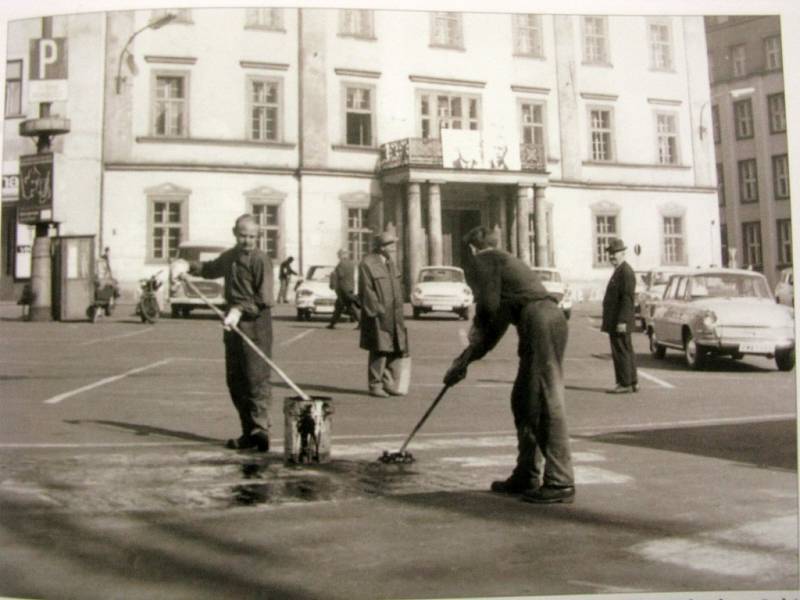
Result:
[157,24]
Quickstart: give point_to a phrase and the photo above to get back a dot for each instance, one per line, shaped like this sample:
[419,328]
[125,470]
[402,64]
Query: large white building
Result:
[561,131]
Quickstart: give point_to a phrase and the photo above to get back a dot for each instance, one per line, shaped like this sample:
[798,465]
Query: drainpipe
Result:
[300,138]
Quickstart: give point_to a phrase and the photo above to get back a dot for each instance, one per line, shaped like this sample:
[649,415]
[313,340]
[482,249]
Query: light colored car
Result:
[182,299]
[653,284]
[784,290]
[722,312]
[552,282]
[313,295]
[441,289]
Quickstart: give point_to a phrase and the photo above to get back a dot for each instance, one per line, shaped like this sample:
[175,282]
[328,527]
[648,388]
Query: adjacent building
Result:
[748,116]
[561,131]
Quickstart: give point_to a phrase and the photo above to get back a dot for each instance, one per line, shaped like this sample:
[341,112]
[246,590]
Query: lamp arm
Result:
[124,50]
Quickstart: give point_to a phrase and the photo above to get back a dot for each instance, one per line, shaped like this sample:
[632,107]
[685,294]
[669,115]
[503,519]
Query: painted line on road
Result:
[655,379]
[291,340]
[115,337]
[107,380]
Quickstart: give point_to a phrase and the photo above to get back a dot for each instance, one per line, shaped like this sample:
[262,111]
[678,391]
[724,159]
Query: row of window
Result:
[673,239]
[743,121]
[752,250]
[740,65]
[748,179]
[447,31]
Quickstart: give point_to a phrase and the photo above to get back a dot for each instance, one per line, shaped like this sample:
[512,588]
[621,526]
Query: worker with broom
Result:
[248,295]
[506,292]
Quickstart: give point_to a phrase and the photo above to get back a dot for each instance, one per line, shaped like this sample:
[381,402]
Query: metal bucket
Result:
[307,430]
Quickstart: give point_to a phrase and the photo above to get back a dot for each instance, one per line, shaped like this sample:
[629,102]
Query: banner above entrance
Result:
[467,149]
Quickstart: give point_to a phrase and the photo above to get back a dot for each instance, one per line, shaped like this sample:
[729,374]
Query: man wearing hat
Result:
[618,305]
[383,331]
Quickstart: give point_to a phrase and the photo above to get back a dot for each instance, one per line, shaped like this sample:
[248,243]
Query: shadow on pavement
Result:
[145,430]
[770,444]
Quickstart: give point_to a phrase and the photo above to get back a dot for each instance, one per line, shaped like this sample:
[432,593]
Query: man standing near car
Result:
[618,316]
[506,292]
[343,282]
[383,330]
[248,294]
[284,273]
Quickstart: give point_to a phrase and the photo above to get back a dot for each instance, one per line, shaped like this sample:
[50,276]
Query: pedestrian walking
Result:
[508,292]
[383,330]
[618,315]
[248,294]
[285,273]
[343,282]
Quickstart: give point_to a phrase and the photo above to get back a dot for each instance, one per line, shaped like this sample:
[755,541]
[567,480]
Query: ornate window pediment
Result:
[265,192]
[167,189]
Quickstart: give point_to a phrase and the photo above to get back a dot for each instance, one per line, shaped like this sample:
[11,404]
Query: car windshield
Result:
[319,273]
[659,278]
[201,253]
[441,275]
[548,275]
[734,285]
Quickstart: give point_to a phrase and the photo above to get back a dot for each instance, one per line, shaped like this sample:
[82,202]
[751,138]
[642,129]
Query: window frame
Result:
[604,36]
[737,120]
[542,104]
[365,230]
[598,252]
[675,134]
[783,231]
[433,116]
[723,244]
[457,17]
[665,22]
[666,237]
[248,117]
[268,201]
[360,33]
[18,81]
[776,52]
[254,19]
[520,28]
[180,198]
[776,177]
[738,58]
[185,121]
[720,184]
[757,245]
[774,100]
[743,181]
[612,150]
[372,89]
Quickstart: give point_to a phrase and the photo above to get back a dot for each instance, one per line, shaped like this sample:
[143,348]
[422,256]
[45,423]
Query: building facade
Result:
[330,124]
[748,113]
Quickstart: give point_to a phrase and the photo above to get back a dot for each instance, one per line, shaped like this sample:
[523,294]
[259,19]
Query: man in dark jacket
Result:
[248,294]
[507,291]
[618,318]
[284,273]
[343,282]
[383,331]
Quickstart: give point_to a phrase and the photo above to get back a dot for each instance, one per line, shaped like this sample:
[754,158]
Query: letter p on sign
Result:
[48,58]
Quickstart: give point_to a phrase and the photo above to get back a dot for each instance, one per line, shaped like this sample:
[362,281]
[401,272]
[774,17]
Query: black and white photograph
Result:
[347,300]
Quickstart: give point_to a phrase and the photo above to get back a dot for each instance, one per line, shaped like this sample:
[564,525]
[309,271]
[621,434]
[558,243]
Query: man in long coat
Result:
[618,315]
[343,282]
[383,331]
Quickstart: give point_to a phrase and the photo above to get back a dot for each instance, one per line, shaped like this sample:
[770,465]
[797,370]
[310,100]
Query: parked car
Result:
[182,299]
[441,289]
[722,312]
[654,282]
[313,295]
[784,290]
[552,282]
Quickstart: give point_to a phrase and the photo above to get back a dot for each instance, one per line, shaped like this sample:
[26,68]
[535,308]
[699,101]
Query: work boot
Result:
[513,485]
[621,389]
[260,440]
[550,495]
[378,393]
[243,442]
[330,326]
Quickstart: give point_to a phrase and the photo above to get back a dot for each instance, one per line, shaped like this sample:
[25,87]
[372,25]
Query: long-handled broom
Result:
[401,456]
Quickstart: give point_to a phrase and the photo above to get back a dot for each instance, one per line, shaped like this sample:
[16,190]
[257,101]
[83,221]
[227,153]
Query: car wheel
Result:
[568,314]
[785,359]
[186,312]
[175,311]
[656,349]
[308,315]
[695,355]
[299,315]
[417,312]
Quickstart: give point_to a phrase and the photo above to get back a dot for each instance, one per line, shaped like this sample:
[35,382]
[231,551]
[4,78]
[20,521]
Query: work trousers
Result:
[383,371]
[284,286]
[345,302]
[246,373]
[624,359]
[537,398]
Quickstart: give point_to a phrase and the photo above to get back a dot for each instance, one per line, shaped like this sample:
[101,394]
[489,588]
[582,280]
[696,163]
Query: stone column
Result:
[502,220]
[540,226]
[414,228]
[511,214]
[435,222]
[400,226]
[523,213]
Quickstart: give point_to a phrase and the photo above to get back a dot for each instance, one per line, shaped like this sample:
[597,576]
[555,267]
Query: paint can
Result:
[307,430]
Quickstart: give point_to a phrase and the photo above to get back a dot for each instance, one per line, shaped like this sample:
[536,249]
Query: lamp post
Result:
[157,24]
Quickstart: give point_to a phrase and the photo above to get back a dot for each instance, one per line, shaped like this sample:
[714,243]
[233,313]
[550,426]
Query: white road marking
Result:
[463,337]
[655,379]
[291,340]
[609,589]
[107,380]
[115,337]
[504,460]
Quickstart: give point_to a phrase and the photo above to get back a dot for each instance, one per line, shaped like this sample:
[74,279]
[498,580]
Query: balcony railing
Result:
[419,152]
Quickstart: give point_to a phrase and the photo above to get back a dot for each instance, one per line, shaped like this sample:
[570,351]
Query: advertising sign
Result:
[47,80]
[35,188]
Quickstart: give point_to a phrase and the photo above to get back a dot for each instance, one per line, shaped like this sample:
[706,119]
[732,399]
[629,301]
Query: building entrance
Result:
[455,225]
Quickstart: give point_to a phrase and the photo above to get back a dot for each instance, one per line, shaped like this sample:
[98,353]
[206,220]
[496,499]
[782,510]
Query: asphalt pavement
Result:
[114,482]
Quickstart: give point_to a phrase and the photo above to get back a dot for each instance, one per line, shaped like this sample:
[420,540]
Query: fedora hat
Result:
[615,245]
[384,239]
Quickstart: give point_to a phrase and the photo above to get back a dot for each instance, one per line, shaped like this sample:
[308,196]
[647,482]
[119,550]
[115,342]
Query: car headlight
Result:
[709,321]
[467,292]
[417,291]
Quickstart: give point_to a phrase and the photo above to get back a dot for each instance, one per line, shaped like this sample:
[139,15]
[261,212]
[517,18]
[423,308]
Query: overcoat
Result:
[381,296]
[619,299]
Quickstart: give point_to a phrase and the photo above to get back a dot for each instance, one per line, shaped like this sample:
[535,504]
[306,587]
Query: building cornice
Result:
[267,66]
[145,139]
[357,73]
[446,81]
[602,97]
[626,165]
[171,60]
[633,187]
[664,102]
[199,168]
[526,89]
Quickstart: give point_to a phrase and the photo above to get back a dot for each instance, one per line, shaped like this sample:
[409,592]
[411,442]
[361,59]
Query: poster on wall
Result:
[23,250]
[467,149]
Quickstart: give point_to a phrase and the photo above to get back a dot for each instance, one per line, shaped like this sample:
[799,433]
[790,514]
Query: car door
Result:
[661,308]
[673,313]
